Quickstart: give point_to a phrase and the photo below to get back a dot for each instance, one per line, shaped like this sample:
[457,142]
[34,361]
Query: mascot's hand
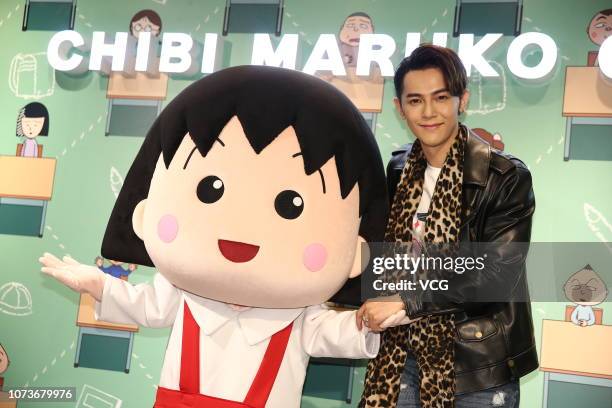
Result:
[397,319]
[78,277]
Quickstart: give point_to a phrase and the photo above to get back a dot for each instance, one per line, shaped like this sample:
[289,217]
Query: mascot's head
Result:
[254,186]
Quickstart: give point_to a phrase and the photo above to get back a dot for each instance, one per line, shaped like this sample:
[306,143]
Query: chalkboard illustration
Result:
[598,224]
[93,397]
[488,95]
[598,30]
[116,181]
[4,363]
[278,235]
[32,121]
[585,289]
[115,269]
[15,299]
[30,76]
[354,25]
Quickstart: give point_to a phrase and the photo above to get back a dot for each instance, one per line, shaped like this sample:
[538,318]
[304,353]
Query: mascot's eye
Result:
[210,189]
[289,204]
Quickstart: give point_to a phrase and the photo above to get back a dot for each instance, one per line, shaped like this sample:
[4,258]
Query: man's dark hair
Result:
[266,100]
[432,56]
[606,12]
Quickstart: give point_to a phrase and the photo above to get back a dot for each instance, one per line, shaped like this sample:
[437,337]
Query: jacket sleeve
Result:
[145,305]
[507,220]
[330,333]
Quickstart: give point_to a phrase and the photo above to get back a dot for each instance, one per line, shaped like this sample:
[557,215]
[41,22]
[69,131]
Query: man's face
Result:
[353,27]
[600,28]
[429,109]
[250,229]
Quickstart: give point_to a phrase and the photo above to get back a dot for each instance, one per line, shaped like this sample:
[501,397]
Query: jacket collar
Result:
[256,324]
[477,159]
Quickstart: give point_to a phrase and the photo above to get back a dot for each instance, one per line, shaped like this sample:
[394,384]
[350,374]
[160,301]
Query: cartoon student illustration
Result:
[354,25]
[146,21]
[251,195]
[586,289]
[32,121]
[4,363]
[114,269]
[598,30]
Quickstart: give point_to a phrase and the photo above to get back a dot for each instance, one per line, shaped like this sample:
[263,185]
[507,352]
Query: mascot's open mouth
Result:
[237,251]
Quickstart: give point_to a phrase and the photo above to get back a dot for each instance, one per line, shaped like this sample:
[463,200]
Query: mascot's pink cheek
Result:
[167,228]
[315,257]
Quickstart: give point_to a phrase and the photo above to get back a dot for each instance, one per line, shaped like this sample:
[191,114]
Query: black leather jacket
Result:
[495,342]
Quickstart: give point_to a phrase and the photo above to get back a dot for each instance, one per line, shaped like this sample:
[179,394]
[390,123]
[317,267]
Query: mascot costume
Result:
[251,195]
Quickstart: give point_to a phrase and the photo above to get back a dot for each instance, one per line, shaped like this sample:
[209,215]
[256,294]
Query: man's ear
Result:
[362,256]
[463,101]
[137,218]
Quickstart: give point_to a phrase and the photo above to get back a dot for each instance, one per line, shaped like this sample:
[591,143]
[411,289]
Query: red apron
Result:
[189,383]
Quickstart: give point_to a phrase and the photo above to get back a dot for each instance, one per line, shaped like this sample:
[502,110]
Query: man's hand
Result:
[78,277]
[381,313]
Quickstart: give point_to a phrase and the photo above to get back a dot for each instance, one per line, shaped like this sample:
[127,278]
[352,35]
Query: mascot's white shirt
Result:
[232,343]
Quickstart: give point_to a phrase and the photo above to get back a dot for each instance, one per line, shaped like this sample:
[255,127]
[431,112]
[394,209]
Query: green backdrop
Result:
[41,345]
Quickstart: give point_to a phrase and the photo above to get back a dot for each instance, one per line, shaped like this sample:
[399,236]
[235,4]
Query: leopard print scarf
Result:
[431,339]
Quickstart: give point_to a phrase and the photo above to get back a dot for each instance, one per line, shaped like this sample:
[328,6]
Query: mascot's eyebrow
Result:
[195,148]
[319,170]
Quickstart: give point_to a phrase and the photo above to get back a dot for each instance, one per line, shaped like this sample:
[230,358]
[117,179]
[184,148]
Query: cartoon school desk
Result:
[587,100]
[591,366]
[139,89]
[366,93]
[101,344]
[25,188]
[5,402]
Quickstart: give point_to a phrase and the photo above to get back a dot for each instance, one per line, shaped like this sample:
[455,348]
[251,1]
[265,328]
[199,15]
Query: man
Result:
[451,186]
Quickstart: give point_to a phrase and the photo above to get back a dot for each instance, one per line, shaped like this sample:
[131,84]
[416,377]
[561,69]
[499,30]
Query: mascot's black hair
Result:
[266,100]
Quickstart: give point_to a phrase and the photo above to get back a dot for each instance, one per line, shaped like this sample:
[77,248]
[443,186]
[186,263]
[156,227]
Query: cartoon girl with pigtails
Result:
[251,196]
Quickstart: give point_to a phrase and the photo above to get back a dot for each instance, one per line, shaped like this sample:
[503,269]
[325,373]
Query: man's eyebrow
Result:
[319,170]
[437,91]
[601,17]
[195,148]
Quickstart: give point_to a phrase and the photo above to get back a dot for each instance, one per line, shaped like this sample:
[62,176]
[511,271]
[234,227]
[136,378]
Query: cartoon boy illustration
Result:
[354,25]
[256,186]
[114,269]
[598,30]
[32,121]
[586,289]
[4,363]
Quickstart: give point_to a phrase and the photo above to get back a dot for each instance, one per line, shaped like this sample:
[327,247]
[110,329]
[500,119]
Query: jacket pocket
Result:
[476,330]
[479,343]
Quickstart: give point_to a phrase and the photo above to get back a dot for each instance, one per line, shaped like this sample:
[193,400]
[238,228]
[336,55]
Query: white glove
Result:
[78,277]
[397,319]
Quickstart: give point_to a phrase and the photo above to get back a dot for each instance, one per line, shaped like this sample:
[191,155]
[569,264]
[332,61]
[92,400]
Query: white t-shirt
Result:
[418,221]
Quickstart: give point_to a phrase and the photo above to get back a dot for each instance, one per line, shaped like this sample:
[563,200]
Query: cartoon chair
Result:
[480,17]
[253,16]
[52,15]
